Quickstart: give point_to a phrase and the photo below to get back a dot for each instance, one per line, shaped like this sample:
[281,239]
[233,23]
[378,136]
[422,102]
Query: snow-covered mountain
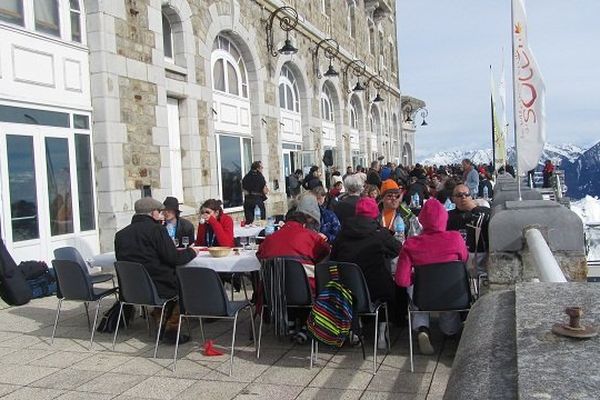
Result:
[582,175]
[557,153]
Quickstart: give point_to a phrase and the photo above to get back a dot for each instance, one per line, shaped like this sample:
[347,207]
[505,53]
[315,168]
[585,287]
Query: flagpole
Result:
[512,35]
[493,130]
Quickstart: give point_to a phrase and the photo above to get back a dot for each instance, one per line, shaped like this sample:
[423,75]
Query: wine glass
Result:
[185,241]
[252,241]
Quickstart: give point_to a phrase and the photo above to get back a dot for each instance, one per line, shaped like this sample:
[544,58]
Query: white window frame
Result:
[243,162]
[175,164]
[170,59]
[238,64]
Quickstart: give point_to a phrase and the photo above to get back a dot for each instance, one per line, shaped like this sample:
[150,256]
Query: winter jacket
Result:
[345,207]
[311,182]
[364,242]
[330,224]
[458,219]
[471,179]
[220,232]
[295,241]
[147,242]
[433,245]
[373,177]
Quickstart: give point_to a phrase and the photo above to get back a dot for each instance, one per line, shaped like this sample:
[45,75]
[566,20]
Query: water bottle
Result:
[417,200]
[270,228]
[256,213]
[415,227]
[485,192]
[449,205]
[399,228]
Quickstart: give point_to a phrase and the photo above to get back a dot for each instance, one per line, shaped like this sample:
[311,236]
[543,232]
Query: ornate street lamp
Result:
[378,85]
[409,112]
[287,22]
[331,49]
[358,69]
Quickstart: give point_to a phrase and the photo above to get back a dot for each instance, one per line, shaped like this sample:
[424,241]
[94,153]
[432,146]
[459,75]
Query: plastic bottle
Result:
[415,227]
[399,228]
[449,205]
[485,193]
[256,213]
[417,200]
[270,228]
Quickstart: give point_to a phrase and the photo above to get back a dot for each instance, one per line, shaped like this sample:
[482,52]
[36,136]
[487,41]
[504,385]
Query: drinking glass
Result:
[252,240]
[176,242]
[185,241]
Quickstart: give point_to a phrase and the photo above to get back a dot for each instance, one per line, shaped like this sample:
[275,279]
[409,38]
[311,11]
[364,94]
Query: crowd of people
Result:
[387,220]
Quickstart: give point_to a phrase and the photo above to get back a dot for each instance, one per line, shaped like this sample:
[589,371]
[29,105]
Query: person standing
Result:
[147,242]
[177,227]
[255,192]
[547,173]
[312,179]
[294,181]
[470,176]
[373,176]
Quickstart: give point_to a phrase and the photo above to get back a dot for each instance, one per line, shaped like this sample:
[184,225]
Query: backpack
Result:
[330,318]
[108,323]
[43,284]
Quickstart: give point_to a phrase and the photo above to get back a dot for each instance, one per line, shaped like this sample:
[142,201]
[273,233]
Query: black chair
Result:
[351,276]
[438,288]
[202,295]
[75,285]
[285,285]
[72,254]
[137,288]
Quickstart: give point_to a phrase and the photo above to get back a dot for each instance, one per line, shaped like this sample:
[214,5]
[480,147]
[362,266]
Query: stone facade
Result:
[131,82]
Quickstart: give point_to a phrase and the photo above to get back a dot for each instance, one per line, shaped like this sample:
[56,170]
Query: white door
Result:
[39,192]
[175,148]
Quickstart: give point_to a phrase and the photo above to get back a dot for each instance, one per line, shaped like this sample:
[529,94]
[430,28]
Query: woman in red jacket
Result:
[215,227]
[433,245]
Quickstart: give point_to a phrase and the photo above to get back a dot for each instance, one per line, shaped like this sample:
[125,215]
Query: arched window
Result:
[353,116]
[326,104]
[229,70]
[352,19]
[167,37]
[371,36]
[288,91]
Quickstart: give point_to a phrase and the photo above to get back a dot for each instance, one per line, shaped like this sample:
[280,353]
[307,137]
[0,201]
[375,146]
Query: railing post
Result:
[545,263]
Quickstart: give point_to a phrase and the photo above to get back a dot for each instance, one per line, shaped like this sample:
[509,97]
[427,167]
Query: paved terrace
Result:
[33,369]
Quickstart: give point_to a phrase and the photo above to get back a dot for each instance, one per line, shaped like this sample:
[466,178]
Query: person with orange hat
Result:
[391,199]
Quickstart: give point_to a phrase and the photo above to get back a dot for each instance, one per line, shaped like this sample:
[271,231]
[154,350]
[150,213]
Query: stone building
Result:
[187,93]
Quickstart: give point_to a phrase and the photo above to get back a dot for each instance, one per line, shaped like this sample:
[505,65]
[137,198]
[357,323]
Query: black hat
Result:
[171,203]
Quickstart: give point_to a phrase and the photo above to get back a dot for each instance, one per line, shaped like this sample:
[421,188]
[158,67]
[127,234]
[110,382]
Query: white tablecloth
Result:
[246,231]
[246,261]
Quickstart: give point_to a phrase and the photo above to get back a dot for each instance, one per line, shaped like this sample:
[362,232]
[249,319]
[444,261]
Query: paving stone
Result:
[28,393]
[371,395]
[289,375]
[60,359]
[400,382]
[265,391]
[331,378]
[111,383]
[160,387]
[84,396]
[24,374]
[24,356]
[67,379]
[101,362]
[328,394]
[6,389]
[211,390]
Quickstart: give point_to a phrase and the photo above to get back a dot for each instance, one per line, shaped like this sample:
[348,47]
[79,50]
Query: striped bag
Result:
[330,318]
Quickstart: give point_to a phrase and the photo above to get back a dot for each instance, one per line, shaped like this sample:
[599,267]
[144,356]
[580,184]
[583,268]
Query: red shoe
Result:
[209,350]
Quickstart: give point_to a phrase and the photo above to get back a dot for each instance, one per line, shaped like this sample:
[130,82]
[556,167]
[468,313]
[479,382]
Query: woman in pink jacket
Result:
[433,245]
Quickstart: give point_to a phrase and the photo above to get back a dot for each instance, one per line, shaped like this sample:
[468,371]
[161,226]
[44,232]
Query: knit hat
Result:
[307,204]
[386,172]
[146,205]
[367,207]
[389,185]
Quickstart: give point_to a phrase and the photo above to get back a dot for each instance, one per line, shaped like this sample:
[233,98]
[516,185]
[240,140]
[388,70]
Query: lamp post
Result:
[331,49]
[358,69]
[287,22]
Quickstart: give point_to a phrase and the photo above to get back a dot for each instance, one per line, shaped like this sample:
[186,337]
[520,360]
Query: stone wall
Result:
[131,82]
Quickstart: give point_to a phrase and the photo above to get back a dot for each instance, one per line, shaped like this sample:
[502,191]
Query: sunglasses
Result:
[461,195]
[392,196]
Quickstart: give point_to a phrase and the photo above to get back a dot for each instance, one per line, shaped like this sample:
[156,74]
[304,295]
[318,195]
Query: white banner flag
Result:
[502,111]
[529,96]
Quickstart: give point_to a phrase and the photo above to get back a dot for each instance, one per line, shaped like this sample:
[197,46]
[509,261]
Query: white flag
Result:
[499,144]
[529,96]
[502,111]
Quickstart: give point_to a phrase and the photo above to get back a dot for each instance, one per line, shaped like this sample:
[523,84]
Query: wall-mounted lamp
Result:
[287,22]
[331,49]
[410,113]
[378,85]
[358,69]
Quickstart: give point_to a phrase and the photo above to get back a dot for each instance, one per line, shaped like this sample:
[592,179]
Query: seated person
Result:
[391,199]
[346,204]
[177,227]
[296,240]
[433,245]
[330,224]
[366,243]
[147,242]
[473,221]
[215,227]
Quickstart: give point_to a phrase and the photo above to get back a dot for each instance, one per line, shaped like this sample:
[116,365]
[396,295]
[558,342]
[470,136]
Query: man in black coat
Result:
[147,242]
[255,192]
[373,176]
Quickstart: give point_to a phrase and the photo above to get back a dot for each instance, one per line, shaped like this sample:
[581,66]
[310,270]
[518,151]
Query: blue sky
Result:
[445,50]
